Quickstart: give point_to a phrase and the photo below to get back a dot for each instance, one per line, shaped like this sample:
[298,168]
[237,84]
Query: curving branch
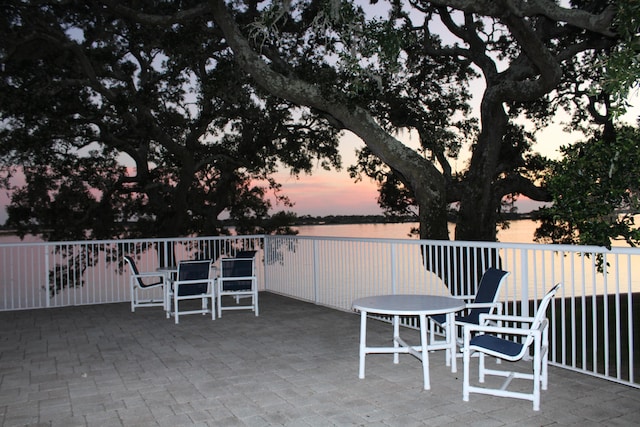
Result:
[598,23]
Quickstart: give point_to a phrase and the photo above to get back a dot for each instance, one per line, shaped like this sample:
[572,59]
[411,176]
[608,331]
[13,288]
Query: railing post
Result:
[46,276]
[524,280]
[394,267]
[267,252]
[315,272]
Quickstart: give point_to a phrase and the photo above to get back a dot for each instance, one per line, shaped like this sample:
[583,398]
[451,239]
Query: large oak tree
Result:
[154,127]
[523,51]
[379,76]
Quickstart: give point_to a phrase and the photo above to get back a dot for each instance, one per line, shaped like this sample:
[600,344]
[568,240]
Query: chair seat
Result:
[236,285]
[196,289]
[496,344]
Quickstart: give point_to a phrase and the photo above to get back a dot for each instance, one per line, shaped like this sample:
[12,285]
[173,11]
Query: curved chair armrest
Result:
[470,327]
[505,318]
[483,304]
[148,274]
[234,278]
[193,282]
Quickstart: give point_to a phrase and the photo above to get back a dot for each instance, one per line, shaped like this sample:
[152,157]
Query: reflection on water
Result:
[520,231]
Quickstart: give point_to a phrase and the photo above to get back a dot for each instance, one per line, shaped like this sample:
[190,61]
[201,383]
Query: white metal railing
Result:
[593,319]
[55,274]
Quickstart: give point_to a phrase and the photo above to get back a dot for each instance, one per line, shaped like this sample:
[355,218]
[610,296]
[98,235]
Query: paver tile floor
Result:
[294,365]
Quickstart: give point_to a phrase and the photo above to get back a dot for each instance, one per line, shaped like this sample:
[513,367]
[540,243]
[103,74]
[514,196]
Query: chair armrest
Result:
[483,304]
[193,282]
[149,274]
[470,327]
[505,318]
[235,278]
[464,297]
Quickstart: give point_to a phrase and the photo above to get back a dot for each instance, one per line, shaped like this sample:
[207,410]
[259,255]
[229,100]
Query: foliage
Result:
[123,129]
[622,62]
[596,192]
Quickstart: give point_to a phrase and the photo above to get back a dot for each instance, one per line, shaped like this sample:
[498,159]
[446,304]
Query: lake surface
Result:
[520,231]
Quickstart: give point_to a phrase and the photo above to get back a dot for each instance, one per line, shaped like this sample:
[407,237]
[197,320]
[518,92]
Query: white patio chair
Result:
[485,301]
[193,282]
[139,282]
[531,330]
[238,279]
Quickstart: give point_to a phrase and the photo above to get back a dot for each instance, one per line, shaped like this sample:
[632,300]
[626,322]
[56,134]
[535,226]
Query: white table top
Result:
[408,305]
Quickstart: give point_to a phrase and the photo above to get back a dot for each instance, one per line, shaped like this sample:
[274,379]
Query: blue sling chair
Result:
[193,283]
[238,279]
[485,301]
[140,285]
[523,332]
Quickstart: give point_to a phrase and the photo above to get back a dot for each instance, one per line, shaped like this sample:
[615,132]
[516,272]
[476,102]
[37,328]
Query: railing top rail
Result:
[495,245]
[445,243]
[128,241]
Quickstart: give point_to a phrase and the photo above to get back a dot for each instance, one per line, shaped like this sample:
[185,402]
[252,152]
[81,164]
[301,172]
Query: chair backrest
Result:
[241,266]
[488,291]
[245,254]
[193,270]
[541,314]
[134,269]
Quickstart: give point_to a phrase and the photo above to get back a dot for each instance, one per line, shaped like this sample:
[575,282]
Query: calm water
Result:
[520,231]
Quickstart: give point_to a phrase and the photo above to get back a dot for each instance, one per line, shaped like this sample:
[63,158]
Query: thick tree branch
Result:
[597,23]
[356,119]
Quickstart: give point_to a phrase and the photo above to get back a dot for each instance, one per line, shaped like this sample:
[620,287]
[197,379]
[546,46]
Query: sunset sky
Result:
[335,193]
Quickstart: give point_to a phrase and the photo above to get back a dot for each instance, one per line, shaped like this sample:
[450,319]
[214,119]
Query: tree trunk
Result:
[479,205]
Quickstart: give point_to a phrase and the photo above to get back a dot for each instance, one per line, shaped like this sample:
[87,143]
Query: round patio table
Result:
[409,305]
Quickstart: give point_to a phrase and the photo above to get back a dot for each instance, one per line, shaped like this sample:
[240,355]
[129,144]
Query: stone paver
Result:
[294,365]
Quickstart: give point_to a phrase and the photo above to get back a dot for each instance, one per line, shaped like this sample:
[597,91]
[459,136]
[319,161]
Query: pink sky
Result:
[332,193]
[321,194]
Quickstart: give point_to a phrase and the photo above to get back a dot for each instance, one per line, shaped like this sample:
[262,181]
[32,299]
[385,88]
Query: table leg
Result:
[425,351]
[396,335]
[363,341]
[451,341]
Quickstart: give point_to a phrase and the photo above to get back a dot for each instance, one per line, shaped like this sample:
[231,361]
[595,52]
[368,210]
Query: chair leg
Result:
[536,374]
[545,358]
[133,299]
[466,359]
[255,303]
[176,312]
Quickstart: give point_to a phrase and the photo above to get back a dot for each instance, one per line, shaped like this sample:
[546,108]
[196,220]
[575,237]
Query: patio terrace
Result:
[296,364]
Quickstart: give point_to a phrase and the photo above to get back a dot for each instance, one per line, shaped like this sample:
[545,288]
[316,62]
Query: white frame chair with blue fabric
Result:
[496,341]
[139,282]
[237,279]
[193,281]
[485,301]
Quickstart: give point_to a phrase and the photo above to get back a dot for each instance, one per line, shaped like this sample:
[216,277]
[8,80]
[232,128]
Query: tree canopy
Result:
[523,51]
[210,96]
[123,129]
[596,188]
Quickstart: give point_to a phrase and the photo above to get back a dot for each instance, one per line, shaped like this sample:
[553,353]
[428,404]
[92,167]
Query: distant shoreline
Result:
[347,219]
[381,219]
